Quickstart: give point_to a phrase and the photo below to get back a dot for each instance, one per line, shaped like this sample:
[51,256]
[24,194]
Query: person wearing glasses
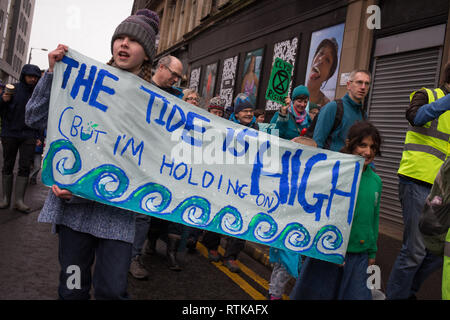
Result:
[244,111]
[352,107]
[191,96]
[168,72]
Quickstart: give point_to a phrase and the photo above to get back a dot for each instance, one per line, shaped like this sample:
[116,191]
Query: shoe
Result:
[137,269]
[213,256]
[232,265]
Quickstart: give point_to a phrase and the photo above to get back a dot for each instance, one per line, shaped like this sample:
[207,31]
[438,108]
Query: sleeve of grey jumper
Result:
[36,111]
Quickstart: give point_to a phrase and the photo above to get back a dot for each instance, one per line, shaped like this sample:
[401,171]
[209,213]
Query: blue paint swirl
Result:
[228,220]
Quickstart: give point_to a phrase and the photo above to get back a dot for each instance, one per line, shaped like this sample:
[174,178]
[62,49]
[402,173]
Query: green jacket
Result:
[364,233]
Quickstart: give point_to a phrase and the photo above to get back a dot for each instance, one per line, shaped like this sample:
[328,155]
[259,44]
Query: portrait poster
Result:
[251,73]
[323,63]
[209,81]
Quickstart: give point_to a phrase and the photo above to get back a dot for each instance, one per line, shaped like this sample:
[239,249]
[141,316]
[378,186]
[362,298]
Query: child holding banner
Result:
[89,230]
[321,280]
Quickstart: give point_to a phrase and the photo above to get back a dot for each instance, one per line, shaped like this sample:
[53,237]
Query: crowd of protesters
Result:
[339,125]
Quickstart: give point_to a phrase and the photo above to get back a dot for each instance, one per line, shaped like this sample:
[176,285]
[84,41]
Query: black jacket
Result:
[13,112]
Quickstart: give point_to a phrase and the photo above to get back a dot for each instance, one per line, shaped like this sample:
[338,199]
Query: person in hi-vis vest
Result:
[426,148]
[446,269]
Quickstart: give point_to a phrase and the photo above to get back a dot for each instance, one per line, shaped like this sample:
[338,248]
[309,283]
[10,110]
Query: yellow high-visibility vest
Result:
[426,147]
[446,269]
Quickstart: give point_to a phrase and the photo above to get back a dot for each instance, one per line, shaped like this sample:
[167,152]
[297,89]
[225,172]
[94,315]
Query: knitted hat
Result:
[242,102]
[143,26]
[217,103]
[300,91]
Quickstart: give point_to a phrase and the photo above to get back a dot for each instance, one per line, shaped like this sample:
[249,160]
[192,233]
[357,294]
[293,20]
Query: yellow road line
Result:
[252,292]
[259,280]
[249,272]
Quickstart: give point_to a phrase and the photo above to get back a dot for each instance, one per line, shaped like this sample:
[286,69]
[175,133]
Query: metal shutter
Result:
[395,77]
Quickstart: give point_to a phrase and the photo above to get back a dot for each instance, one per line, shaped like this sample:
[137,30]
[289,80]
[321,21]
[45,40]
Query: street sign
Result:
[279,81]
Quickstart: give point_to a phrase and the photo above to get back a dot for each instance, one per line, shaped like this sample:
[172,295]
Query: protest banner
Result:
[116,139]
[279,81]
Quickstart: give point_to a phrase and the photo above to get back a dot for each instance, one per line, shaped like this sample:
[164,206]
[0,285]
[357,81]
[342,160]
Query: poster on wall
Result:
[209,81]
[251,74]
[228,80]
[286,51]
[323,63]
[194,81]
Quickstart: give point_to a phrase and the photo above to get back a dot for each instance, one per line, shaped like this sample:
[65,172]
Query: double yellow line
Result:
[252,292]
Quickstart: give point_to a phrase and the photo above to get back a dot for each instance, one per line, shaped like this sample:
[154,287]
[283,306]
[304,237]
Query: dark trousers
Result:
[322,280]
[234,246]
[77,252]
[25,147]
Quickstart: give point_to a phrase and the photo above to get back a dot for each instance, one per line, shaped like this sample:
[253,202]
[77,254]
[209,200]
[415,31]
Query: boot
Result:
[19,193]
[7,181]
[173,241]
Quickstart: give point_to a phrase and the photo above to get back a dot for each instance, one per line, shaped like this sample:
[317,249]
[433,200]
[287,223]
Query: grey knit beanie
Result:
[143,26]
[217,103]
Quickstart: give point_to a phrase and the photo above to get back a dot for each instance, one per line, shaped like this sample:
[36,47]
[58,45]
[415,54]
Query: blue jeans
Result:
[112,261]
[322,280]
[414,263]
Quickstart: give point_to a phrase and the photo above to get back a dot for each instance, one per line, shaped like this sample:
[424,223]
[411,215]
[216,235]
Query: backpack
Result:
[435,218]
[337,121]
